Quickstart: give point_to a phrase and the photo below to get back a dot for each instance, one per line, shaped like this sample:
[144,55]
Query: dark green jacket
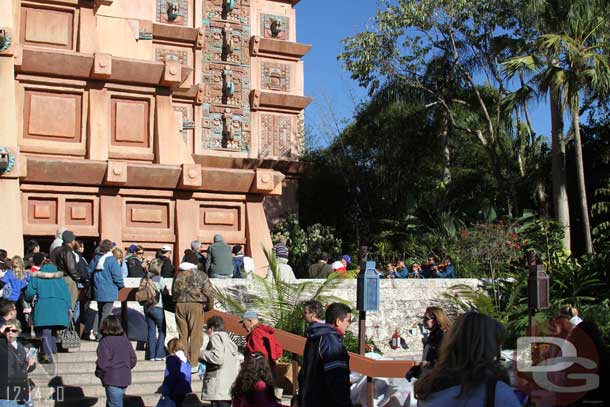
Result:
[220,259]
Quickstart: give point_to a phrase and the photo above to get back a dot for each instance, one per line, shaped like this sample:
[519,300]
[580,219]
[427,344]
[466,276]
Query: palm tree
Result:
[566,61]
[581,65]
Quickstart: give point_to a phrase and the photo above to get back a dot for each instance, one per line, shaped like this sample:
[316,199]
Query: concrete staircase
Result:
[71,381]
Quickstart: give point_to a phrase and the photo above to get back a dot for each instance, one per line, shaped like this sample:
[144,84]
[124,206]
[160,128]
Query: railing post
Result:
[370,391]
[124,321]
[295,374]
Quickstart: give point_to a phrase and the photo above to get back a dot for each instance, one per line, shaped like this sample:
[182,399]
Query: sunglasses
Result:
[15,331]
[427,318]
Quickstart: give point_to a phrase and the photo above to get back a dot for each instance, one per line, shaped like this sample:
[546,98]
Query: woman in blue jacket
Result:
[52,309]
[15,280]
[105,275]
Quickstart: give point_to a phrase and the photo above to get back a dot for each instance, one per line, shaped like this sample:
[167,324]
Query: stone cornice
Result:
[101,66]
[277,48]
[260,100]
[190,177]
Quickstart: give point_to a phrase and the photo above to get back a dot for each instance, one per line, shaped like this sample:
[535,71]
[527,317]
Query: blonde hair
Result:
[118,254]
[469,356]
[18,267]
[438,314]
[174,345]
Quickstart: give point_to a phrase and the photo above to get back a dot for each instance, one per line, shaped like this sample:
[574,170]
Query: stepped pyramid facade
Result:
[149,121]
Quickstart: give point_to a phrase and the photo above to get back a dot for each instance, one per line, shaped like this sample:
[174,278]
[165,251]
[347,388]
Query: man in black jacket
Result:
[65,261]
[324,378]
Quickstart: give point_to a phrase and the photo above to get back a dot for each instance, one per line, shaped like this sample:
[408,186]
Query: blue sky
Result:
[324,24]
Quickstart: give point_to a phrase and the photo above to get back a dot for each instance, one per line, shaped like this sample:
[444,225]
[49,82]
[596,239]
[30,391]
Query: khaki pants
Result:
[72,287]
[189,321]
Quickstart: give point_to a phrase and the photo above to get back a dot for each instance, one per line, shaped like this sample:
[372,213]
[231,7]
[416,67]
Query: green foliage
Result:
[307,245]
[281,304]
[542,237]
[350,341]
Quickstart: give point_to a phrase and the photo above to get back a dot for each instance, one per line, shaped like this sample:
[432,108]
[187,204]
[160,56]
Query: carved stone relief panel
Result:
[236,11]
[186,124]
[274,26]
[225,129]
[226,85]
[48,27]
[226,43]
[173,12]
[276,135]
[275,76]
[163,54]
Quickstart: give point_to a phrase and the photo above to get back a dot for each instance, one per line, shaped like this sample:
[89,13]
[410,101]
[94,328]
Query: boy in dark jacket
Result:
[324,378]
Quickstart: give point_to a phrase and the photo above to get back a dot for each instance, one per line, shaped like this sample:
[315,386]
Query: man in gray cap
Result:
[65,261]
[220,259]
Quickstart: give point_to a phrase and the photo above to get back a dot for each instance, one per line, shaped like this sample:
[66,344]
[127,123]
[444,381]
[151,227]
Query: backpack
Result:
[147,294]
[275,348]
[134,267]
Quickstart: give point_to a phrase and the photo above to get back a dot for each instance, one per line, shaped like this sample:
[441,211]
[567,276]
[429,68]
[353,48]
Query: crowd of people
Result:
[461,358]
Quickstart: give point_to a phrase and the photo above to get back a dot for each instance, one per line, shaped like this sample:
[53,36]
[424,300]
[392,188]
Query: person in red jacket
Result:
[260,338]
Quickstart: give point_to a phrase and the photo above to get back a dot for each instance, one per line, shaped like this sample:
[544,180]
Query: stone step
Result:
[77,379]
[89,367]
[73,399]
[85,356]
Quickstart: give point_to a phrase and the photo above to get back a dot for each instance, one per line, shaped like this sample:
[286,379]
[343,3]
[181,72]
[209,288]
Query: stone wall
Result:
[401,308]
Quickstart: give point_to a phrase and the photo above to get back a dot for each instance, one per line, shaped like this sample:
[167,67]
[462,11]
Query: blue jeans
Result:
[114,396]
[49,339]
[9,403]
[155,319]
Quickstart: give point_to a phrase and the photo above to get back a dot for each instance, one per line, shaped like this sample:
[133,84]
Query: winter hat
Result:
[190,257]
[68,236]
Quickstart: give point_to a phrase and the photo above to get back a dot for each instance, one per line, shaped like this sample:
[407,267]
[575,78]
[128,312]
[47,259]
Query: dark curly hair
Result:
[253,370]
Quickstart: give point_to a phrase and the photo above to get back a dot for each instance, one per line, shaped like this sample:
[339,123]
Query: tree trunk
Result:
[580,175]
[558,152]
[444,134]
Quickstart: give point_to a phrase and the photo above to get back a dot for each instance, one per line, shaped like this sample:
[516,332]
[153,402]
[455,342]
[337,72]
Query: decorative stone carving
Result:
[236,11]
[173,11]
[275,76]
[225,129]
[7,160]
[5,39]
[216,76]
[171,54]
[274,26]
[276,135]
[227,43]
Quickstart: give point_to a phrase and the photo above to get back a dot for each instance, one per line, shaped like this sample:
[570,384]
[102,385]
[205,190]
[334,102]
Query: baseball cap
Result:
[132,248]
[166,248]
[249,314]
[347,259]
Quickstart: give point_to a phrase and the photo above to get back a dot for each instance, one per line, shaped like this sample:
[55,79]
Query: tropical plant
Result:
[307,245]
[278,303]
